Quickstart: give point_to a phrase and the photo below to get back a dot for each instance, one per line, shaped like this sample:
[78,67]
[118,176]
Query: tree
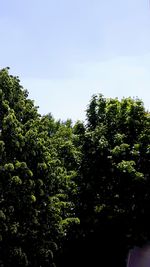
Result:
[54,175]
[114,180]
[35,209]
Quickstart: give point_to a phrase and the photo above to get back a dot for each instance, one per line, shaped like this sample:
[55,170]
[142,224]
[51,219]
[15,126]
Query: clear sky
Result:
[64,51]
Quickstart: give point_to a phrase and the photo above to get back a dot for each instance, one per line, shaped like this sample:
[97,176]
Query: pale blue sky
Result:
[66,50]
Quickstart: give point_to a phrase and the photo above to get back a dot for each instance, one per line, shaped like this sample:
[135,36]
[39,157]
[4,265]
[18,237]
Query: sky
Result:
[64,51]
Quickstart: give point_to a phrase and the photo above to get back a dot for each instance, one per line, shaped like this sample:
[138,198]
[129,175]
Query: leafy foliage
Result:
[71,195]
[36,211]
[114,178]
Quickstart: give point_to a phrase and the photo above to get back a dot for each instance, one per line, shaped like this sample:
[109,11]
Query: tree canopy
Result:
[35,185]
[114,177]
[72,195]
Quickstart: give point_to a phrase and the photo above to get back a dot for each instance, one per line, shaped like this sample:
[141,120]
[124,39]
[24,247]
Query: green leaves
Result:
[126,166]
[114,173]
[60,183]
[9,167]
[37,159]
[16,180]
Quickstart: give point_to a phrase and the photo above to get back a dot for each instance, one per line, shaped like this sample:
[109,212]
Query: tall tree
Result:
[114,180]
[35,209]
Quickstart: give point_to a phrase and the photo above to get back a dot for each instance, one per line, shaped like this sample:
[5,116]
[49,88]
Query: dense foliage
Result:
[72,195]
[36,211]
[115,181]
